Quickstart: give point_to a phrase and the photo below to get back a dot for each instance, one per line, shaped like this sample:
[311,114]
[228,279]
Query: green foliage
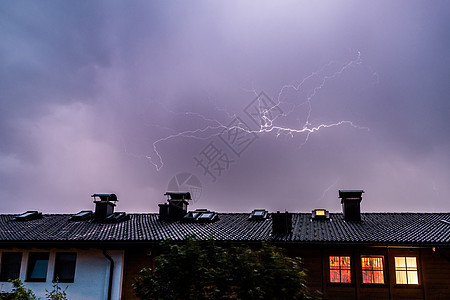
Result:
[57,293]
[198,270]
[19,292]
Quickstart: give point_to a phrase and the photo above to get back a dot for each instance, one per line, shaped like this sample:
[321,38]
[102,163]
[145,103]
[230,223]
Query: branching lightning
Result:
[268,122]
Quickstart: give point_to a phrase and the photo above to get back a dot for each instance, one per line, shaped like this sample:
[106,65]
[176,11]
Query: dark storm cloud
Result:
[86,89]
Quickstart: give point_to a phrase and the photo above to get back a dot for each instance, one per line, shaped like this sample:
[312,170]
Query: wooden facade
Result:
[433,269]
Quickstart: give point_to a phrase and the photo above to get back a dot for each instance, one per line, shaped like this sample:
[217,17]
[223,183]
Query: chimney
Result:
[176,208]
[281,223]
[105,206]
[351,200]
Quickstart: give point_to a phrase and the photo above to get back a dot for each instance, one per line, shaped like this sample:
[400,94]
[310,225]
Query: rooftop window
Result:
[200,215]
[191,216]
[81,216]
[258,214]
[29,215]
[117,217]
[207,217]
[320,214]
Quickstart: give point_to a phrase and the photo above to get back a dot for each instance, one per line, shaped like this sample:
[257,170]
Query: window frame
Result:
[340,269]
[4,278]
[383,270]
[33,258]
[410,285]
[59,264]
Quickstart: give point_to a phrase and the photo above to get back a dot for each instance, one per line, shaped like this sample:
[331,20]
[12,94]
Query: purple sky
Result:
[88,91]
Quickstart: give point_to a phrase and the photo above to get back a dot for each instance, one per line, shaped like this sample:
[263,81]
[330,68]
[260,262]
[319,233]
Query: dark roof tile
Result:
[374,228]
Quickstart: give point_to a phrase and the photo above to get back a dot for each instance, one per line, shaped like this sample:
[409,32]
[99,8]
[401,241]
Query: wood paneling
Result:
[433,268]
[436,273]
[135,260]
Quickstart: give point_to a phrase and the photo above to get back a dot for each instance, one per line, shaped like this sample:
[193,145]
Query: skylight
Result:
[258,214]
[117,217]
[29,215]
[82,215]
[191,216]
[320,214]
[207,217]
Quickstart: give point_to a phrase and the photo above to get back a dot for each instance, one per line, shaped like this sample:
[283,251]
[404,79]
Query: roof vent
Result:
[320,214]
[105,206]
[29,215]
[176,208]
[351,200]
[82,215]
[258,214]
[281,223]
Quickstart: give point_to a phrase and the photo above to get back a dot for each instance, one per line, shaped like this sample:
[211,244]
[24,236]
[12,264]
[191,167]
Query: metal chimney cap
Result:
[350,193]
[179,195]
[106,197]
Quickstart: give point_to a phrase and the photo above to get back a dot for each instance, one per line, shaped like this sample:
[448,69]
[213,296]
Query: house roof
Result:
[374,229]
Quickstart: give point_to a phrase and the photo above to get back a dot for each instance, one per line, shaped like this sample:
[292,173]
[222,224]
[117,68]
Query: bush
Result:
[198,270]
[19,292]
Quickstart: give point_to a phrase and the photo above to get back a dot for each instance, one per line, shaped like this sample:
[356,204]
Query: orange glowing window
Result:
[406,270]
[340,270]
[372,269]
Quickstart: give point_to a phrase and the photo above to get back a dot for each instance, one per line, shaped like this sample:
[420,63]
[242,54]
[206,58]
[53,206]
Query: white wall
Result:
[91,274]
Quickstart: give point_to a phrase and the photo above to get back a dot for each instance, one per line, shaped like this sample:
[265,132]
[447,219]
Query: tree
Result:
[204,270]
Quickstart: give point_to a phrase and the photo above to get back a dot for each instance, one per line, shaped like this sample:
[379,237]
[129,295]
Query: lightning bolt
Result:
[214,127]
[326,191]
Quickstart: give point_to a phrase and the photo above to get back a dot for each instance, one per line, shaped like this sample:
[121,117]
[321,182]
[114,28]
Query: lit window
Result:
[340,271]
[65,267]
[320,212]
[10,265]
[406,270]
[372,269]
[37,266]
